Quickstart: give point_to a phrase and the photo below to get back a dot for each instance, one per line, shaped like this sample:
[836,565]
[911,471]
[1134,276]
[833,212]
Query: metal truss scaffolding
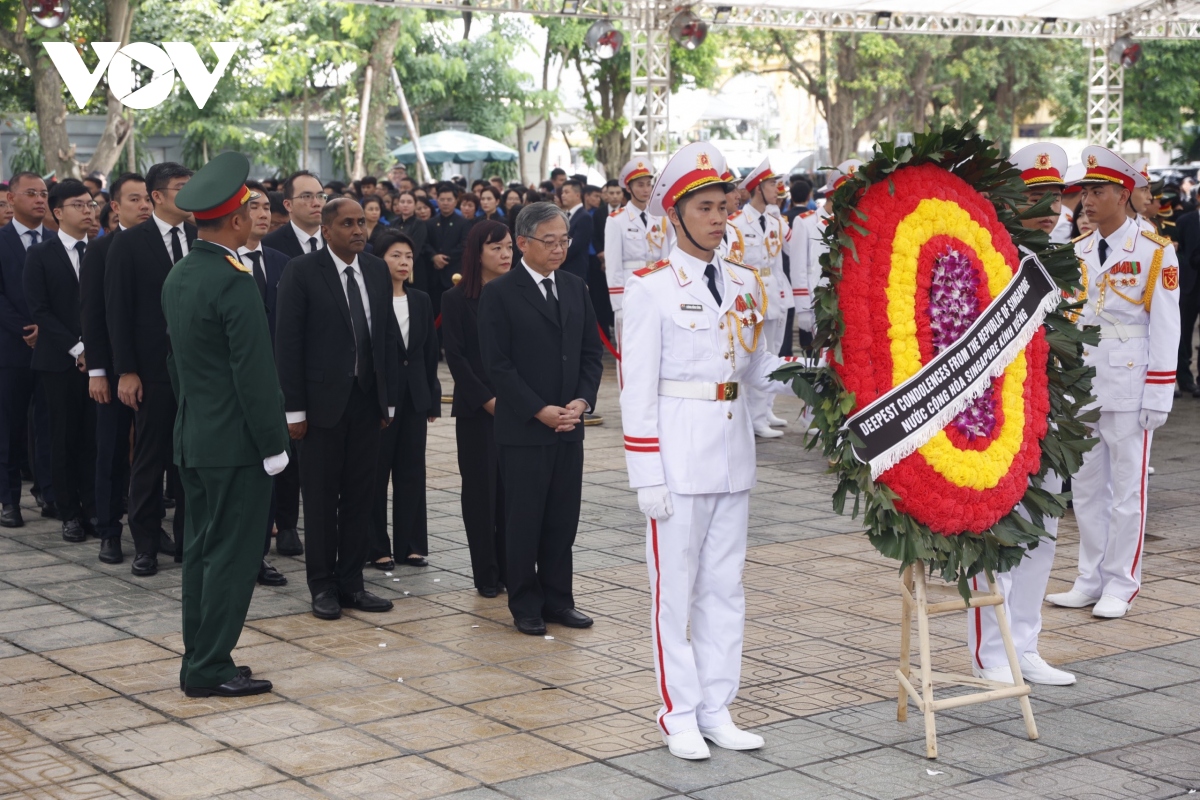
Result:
[650,81]
[1105,100]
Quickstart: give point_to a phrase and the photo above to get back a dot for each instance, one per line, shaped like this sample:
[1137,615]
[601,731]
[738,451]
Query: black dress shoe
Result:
[145,564]
[326,606]
[570,617]
[287,543]
[49,511]
[416,560]
[388,565]
[110,550]
[243,672]
[269,576]
[73,531]
[10,517]
[531,626]
[489,591]
[241,686]
[166,544]
[89,527]
[364,601]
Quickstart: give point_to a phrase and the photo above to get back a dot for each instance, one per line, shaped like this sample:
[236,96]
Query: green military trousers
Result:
[226,513]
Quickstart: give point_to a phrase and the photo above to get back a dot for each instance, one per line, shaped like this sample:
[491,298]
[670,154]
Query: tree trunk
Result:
[52,119]
[376,148]
[117,129]
[840,113]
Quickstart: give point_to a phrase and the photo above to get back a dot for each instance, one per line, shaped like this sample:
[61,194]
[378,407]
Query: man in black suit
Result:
[447,235]
[579,229]
[303,198]
[1188,231]
[27,196]
[537,331]
[266,266]
[131,202]
[336,348]
[138,262]
[52,291]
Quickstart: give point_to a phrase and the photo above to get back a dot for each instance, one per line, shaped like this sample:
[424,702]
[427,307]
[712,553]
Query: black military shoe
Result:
[243,672]
[10,517]
[287,543]
[364,601]
[269,576]
[110,550]
[530,626]
[570,617]
[326,606]
[145,564]
[241,686]
[73,531]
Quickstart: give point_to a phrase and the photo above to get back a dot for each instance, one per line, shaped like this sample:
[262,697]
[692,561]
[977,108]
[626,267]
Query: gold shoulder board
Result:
[238,265]
[1161,241]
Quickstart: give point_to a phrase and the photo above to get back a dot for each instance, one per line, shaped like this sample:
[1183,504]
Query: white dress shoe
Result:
[687,744]
[1034,669]
[767,433]
[998,674]
[1110,607]
[776,422]
[731,737]
[1072,599]
[1149,470]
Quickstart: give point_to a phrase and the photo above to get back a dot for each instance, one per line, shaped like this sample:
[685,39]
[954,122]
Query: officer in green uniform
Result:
[230,433]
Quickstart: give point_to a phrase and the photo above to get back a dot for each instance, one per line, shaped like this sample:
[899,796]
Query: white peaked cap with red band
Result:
[637,168]
[1102,165]
[1142,165]
[840,174]
[1041,164]
[694,166]
[757,176]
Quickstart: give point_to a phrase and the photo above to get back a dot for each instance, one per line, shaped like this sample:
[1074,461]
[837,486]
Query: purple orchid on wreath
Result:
[953,306]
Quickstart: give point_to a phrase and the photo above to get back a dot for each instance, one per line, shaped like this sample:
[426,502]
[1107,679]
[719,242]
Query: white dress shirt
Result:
[303,237]
[23,232]
[300,416]
[400,308]
[538,278]
[165,230]
[73,256]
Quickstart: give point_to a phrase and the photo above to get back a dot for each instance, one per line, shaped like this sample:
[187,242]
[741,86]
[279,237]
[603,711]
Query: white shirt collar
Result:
[163,227]
[341,265]
[22,230]
[243,250]
[218,244]
[121,227]
[571,211]
[691,264]
[1117,239]
[537,276]
[304,237]
[69,242]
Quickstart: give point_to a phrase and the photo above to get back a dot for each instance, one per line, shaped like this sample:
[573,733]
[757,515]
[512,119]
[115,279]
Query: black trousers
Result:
[154,427]
[16,389]
[787,348]
[402,461]
[543,487]
[337,479]
[482,498]
[1189,308]
[284,511]
[112,462]
[72,442]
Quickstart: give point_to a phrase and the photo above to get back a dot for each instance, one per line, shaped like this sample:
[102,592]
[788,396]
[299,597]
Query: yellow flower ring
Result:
[951,484]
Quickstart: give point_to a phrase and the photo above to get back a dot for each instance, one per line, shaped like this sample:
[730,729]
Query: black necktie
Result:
[710,274]
[312,244]
[79,248]
[364,366]
[176,246]
[551,300]
[33,238]
[259,276]
[1103,251]
[645,221]
[762,223]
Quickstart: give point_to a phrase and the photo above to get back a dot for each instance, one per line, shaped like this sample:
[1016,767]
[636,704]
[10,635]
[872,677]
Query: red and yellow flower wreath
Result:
[917,250]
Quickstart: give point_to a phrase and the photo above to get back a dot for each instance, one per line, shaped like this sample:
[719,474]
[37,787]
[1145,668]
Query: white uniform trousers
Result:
[760,403]
[695,560]
[1110,507]
[1024,588]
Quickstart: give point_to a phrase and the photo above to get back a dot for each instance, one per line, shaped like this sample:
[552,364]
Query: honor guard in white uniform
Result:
[633,238]
[1131,280]
[1042,167]
[733,245]
[694,343]
[765,234]
[1142,205]
[1071,192]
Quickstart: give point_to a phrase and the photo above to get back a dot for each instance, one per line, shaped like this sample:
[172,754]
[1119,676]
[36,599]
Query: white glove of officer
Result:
[655,501]
[1152,419]
[618,315]
[805,320]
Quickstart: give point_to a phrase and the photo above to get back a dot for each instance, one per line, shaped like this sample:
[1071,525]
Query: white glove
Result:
[805,320]
[273,465]
[655,501]
[1152,419]
[618,316]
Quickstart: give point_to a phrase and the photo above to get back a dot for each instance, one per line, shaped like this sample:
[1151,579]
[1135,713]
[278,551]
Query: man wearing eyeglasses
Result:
[541,347]
[303,198]
[138,263]
[52,289]
[27,196]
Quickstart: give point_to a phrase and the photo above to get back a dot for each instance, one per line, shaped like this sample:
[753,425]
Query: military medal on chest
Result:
[657,234]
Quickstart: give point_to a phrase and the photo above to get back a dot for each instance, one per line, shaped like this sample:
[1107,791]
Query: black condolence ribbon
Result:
[909,415]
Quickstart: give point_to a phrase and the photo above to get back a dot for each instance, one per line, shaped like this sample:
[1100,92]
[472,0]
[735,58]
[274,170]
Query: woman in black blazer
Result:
[402,447]
[405,220]
[487,254]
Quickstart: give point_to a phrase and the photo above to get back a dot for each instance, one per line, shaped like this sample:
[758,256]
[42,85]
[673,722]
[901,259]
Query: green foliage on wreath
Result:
[894,534]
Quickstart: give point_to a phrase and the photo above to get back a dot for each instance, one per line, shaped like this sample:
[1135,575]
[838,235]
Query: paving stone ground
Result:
[441,698]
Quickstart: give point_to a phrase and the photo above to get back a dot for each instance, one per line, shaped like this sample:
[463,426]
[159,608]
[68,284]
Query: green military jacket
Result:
[221,363]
